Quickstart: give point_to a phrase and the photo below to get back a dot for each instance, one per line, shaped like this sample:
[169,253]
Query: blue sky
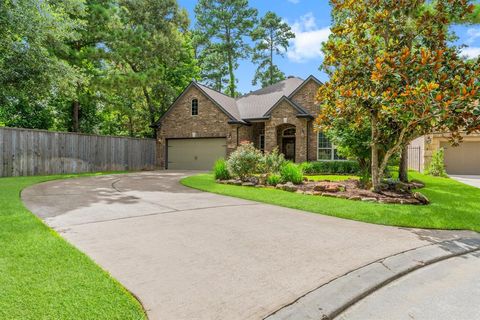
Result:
[310,20]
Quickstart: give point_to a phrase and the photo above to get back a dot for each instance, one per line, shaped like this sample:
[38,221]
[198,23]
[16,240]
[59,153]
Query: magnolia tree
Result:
[391,66]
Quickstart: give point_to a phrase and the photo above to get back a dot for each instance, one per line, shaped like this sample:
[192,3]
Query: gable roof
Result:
[228,103]
[257,103]
[254,105]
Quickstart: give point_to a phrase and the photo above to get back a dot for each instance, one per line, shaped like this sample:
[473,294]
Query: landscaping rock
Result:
[332,187]
[279,186]
[421,198]
[248,184]
[417,184]
[262,179]
[300,191]
[402,187]
[317,193]
[355,198]
[237,182]
[369,199]
[290,187]
[390,200]
[331,195]
[319,187]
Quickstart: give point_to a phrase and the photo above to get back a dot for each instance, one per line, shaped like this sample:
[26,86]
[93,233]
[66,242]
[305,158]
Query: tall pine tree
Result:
[272,37]
[224,25]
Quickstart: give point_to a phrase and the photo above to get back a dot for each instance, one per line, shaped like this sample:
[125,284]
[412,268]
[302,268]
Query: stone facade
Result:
[211,121]
[282,115]
[306,97]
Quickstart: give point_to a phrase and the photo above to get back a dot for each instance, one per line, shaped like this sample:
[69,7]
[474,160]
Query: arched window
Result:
[194,107]
[289,132]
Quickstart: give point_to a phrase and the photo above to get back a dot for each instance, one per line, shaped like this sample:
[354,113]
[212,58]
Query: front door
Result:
[288,148]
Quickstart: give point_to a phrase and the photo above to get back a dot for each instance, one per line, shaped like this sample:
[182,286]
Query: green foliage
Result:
[397,75]
[222,26]
[291,172]
[245,161]
[272,37]
[437,164]
[330,167]
[273,179]
[272,162]
[220,170]
[31,74]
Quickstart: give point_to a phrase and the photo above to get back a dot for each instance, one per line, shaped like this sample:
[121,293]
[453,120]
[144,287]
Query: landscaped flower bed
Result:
[400,193]
[248,167]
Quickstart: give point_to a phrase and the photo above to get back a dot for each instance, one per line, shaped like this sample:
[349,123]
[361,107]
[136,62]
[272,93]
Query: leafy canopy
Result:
[390,63]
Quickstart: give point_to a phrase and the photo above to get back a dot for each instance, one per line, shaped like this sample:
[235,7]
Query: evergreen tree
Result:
[272,36]
[224,25]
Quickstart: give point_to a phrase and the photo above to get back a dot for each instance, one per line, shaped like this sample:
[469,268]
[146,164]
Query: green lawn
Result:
[44,277]
[454,204]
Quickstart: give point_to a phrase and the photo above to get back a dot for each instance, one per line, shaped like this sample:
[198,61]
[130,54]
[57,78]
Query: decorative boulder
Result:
[290,187]
[421,198]
[248,184]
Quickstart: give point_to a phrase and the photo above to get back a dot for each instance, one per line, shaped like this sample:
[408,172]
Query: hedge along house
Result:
[203,125]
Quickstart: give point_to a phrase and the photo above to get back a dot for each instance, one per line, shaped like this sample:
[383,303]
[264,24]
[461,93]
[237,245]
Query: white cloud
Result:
[473,34]
[308,39]
[471,52]
[294,1]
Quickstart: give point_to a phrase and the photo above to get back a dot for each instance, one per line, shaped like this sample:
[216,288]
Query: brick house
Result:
[203,125]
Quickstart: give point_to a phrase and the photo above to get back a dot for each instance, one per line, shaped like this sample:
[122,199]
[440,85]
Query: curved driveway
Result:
[193,255]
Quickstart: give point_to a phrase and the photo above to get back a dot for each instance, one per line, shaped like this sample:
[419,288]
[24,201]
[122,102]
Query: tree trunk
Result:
[403,168]
[75,116]
[231,85]
[376,174]
[151,110]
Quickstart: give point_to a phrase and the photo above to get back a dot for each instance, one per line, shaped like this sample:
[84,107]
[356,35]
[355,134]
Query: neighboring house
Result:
[462,160]
[203,125]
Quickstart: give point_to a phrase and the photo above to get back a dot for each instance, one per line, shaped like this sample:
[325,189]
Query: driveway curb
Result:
[332,298]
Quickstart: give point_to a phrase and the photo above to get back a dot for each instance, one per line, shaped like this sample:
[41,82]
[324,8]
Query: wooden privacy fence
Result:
[26,152]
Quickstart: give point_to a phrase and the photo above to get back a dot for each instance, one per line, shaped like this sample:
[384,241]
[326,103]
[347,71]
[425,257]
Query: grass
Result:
[44,277]
[454,205]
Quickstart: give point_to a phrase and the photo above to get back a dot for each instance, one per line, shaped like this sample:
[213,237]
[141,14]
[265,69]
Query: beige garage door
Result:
[195,154]
[464,159]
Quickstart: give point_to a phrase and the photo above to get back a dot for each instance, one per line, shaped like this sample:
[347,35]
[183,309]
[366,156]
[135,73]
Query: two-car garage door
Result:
[195,154]
[464,159]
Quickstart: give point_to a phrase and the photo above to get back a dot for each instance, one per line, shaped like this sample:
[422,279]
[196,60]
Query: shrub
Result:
[245,161]
[437,165]
[220,170]
[331,167]
[290,172]
[273,179]
[272,162]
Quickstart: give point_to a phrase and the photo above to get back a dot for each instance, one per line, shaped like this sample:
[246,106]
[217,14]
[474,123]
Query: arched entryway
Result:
[287,140]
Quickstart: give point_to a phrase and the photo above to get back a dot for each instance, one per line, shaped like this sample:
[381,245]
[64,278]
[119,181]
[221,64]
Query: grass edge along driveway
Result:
[454,205]
[44,277]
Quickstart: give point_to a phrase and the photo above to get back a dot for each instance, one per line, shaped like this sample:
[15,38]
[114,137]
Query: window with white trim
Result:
[326,150]
[194,107]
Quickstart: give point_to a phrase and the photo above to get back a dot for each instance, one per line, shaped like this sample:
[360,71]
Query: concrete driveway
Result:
[473,180]
[193,255]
